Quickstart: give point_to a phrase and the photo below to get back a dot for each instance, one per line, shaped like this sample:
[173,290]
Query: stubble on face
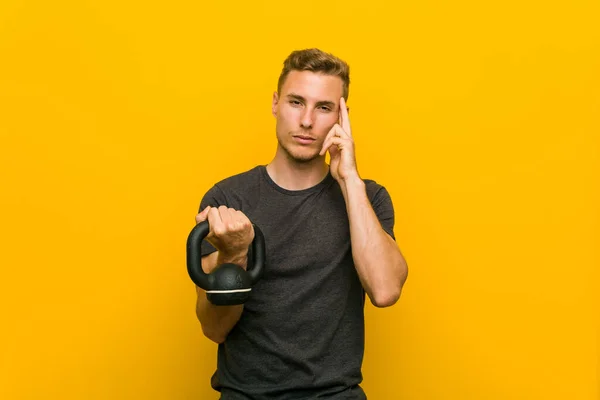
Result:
[306,93]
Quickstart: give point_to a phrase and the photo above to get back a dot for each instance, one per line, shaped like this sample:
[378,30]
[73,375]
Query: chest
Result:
[302,233]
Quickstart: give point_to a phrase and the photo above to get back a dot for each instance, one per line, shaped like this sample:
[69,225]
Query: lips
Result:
[304,140]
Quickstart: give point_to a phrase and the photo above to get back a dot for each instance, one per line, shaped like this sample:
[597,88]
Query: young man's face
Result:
[306,109]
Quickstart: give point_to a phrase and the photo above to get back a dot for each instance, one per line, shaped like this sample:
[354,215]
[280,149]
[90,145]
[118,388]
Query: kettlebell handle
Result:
[255,266]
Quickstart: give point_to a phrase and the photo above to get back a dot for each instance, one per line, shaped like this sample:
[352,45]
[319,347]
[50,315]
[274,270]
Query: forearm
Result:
[378,260]
[217,321]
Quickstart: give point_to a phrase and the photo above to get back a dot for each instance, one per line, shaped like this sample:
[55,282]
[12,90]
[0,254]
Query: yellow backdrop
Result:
[482,120]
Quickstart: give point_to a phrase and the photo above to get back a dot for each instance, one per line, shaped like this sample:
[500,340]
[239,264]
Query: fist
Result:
[231,232]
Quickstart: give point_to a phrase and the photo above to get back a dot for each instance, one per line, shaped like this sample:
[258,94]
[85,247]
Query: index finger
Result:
[344,118]
[202,216]
[215,221]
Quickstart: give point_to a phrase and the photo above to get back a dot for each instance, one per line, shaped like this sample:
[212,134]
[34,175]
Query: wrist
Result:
[239,258]
[352,184]
[353,180]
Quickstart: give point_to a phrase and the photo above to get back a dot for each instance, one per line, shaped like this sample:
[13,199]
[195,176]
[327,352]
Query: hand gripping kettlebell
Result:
[227,284]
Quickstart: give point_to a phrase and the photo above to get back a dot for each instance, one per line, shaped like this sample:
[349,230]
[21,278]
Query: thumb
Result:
[203,215]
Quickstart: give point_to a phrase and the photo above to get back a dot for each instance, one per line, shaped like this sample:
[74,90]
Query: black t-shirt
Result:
[301,334]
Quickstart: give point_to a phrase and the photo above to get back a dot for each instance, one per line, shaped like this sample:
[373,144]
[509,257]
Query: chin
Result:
[301,156]
[305,160]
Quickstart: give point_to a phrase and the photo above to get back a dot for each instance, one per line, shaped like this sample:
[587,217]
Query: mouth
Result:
[302,139]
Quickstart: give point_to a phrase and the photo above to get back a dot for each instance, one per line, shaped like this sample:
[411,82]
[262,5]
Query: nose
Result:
[307,119]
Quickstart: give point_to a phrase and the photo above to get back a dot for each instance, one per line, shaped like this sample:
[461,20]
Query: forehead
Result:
[313,86]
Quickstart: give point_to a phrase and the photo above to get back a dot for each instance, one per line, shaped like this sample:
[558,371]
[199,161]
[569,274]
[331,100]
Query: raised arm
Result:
[380,265]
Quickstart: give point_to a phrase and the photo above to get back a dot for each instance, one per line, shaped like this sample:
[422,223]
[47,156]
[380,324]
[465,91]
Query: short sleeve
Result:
[384,209]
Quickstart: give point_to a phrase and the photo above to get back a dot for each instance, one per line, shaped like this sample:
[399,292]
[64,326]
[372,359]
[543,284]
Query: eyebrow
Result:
[319,103]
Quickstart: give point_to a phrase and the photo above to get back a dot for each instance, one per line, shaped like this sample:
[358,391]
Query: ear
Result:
[274,104]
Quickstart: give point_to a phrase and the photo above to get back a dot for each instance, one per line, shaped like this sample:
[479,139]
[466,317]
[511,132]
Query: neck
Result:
[294,175]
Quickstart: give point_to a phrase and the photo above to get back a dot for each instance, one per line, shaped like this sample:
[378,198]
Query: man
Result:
[329,241]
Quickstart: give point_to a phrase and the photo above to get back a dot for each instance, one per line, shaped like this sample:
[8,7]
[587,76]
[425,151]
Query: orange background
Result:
[481,119]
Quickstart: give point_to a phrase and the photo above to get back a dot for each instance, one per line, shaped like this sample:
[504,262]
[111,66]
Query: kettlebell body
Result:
[227,284]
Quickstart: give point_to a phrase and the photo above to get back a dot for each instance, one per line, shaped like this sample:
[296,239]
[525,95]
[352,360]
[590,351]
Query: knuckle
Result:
[218,229]
[243,217]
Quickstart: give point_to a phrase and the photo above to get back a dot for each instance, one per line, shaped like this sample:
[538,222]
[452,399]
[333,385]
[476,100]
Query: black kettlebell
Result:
[227,284]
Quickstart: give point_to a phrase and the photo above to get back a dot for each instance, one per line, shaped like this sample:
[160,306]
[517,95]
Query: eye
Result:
[325,108]
[294,102]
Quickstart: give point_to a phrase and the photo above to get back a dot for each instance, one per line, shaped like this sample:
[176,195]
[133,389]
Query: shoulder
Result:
[234,191]
[240,181]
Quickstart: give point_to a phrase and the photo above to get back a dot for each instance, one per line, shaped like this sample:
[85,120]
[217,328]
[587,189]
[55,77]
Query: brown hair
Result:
[316,60]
